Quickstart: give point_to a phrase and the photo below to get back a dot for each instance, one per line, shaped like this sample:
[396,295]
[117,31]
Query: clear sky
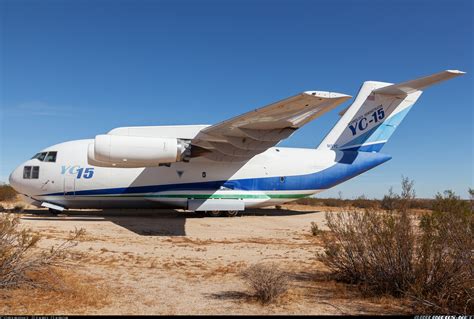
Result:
[75,69]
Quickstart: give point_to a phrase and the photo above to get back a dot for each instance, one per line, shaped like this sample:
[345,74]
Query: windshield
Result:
[40,156]
[51,157]
[46,156]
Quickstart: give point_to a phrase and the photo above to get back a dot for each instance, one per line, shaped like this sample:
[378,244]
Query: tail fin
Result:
[376,112]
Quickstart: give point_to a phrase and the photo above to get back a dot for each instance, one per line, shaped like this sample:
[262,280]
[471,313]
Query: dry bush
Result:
[360,202]
[266,282]
[20,262]
[334,202]
[370,248]
[7,193]
[309,201]
[444,269]
[390,201]
[315,231]
[385,252]
[74,294]
[330,202]
[364,202]
[402,202]
[18,208]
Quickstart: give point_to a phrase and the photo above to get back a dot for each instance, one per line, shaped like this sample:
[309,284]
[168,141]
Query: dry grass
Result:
[37,281]
[7,193]
[224,270]
[186,241]
[391,201]
[315,231]
[74,293]
[19,257]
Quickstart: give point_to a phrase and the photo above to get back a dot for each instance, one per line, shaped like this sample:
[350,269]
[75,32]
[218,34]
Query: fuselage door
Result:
[69,185]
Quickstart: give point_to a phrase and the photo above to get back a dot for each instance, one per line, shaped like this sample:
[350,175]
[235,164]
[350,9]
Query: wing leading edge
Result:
[242,137]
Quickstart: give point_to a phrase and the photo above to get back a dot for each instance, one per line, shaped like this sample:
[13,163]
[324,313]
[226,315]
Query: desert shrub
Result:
[266,282]
[20,263]
[7,193]
[390,201]
[19,208]
[334,202]
[422,203]
[385,252]
[364,202]
[444,272]
[370,248]
[315,231]
[310,201]
[330,202]
[402,202]
[471,197]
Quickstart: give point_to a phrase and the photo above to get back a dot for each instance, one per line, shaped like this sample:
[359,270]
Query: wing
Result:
[242,137]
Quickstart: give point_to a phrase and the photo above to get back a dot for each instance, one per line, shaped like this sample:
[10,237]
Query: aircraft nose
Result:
[15,179]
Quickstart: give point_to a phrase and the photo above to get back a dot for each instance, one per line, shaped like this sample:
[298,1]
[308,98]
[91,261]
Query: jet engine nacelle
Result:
[134,151]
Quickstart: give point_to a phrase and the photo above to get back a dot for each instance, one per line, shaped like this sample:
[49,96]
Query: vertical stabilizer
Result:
[376,113]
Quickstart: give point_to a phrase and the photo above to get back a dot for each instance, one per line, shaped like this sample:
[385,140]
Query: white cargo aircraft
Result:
[225,167]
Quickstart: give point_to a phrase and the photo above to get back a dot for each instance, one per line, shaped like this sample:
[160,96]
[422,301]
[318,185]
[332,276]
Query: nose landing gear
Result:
[52,208]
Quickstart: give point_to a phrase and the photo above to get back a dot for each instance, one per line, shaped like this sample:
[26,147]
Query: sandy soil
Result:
[170,262]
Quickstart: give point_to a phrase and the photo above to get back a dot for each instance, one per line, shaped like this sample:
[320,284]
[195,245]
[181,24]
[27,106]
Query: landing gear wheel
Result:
[54,211]
[200,214]
[232,213]
[214,213]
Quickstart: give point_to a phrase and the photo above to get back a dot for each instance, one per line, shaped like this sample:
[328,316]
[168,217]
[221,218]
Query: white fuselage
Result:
[275,176]
[228,166]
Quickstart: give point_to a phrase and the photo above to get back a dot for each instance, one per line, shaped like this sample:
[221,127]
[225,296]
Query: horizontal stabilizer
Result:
[419,84]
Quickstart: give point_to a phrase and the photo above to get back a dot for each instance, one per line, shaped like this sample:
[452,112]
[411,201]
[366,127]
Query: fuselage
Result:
[228,166]
[273,177]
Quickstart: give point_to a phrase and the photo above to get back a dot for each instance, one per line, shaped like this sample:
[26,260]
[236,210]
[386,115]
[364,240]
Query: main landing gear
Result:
[54,211]
[219,213]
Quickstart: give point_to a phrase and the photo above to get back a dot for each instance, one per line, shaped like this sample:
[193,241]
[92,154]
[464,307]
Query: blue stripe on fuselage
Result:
[348,165]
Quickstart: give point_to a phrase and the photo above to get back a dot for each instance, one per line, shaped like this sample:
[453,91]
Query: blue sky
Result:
[75,69]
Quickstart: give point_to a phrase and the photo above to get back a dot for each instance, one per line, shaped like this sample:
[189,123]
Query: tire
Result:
[54,211]
[214,213]
[200,214]
[232,213]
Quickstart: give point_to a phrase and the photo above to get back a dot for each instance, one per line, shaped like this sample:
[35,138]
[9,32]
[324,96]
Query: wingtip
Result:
[456,72]
[328,95]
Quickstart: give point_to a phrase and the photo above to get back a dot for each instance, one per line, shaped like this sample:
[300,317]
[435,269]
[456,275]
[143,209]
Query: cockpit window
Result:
[51,157]
[46,156]
[35,172]
[40,156]
[31,172]
[27,172]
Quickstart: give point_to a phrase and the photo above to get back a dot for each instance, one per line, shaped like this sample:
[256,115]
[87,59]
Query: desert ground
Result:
[172,262]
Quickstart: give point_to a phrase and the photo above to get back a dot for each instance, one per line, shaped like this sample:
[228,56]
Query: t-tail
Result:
[377,111]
